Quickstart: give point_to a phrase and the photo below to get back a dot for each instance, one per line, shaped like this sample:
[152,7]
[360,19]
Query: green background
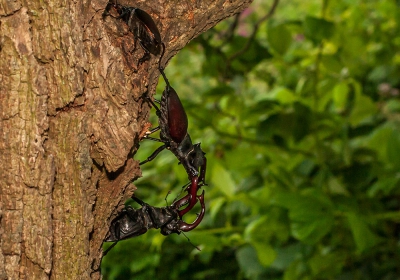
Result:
[301,131]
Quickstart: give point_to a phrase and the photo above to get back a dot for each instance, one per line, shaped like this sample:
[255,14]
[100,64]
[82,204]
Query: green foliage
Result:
[302,138]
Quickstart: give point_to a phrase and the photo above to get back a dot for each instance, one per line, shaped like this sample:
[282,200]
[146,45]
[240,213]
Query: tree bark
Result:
[71,113]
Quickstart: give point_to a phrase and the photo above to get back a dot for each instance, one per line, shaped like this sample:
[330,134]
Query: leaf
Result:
[384,185]
[287,254]
[311,227]
[340,96]
[364,107]
[248,261]
[219,91]
[265,253]
[305,167]
[332,63]
[393,149]
[257,230]
[216,205]
[222,179]
[337,187]
[208,243]
[318,29]
[393,106]
[362,235]
[377,138]
[302,121]
[326,265]
[311,219]
[243,64]
[282,95]
[257,233]
[279,38]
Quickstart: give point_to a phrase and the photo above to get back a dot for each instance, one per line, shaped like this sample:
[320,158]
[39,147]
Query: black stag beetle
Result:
[173,125]
[142,25]
[134,222]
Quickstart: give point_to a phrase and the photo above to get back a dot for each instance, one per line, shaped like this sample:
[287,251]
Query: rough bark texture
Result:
[71,112]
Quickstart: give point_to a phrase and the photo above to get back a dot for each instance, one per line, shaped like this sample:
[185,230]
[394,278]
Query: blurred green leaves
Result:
[302,134]
[223,180]
[279,37]
[318,29]
[311,219]
[363,236]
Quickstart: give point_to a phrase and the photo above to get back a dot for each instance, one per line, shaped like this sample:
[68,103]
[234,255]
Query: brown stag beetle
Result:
[173,125]
[143,27]
[134,222]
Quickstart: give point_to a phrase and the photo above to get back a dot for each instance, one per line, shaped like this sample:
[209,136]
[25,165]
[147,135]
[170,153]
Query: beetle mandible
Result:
[173,125]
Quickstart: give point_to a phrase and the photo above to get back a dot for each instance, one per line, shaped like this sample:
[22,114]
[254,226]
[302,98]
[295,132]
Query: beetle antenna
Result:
[109,249]
[165,77]
[197,248]
[182,189]
[161,68]
[166,202]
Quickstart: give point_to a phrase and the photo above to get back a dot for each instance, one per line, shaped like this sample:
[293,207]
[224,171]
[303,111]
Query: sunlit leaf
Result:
[384,185]
[265,253]
[223,180]
[340,96]
[282,95]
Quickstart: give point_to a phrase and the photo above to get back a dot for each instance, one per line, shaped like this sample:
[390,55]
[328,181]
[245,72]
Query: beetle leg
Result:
[151,131]
[107,11]
[109,248]
[139,201]
[161,69]
[153,104]
[134,45]
[153,139]
[117,235]
[153,155]
[145,57]
[184,188]
[202,176]
[188,227]
[123,13]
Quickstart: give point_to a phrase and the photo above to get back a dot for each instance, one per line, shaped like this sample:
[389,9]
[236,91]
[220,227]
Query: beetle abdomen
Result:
[177,118]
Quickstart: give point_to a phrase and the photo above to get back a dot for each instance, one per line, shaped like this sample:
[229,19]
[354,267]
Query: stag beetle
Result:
[173,125]
[134,222]
[143,28]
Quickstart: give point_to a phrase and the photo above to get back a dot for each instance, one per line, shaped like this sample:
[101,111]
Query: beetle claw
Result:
[192,189]
[183,226]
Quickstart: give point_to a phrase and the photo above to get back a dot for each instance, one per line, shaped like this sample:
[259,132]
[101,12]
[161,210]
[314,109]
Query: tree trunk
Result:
[72,111]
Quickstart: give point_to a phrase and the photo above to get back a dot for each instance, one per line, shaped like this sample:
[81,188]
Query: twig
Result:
[254,33]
